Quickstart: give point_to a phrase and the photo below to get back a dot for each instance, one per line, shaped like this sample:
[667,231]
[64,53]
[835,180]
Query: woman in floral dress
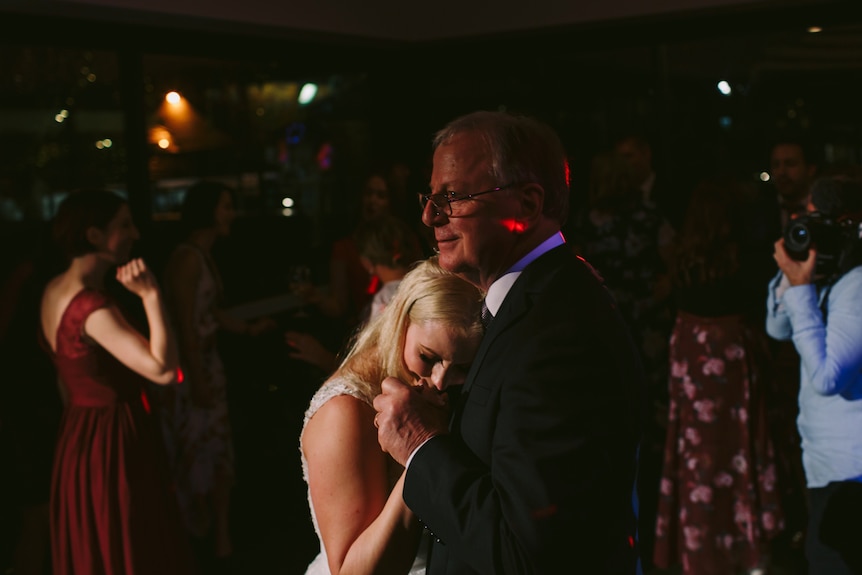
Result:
[718,503]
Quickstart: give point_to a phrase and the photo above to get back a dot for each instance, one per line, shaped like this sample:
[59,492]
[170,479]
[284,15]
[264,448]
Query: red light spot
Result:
[631,541]
[145,401]
[568,172]
[514,226]
[324,156]
[180,375]
[548,511]
[373,284]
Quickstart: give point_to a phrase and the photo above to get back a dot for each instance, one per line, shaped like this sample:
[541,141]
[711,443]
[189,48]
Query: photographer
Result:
[816,300]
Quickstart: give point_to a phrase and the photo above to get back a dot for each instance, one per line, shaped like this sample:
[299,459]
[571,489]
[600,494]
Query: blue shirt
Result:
[830,385]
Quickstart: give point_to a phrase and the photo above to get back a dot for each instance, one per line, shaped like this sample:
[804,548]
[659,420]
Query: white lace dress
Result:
[333,388]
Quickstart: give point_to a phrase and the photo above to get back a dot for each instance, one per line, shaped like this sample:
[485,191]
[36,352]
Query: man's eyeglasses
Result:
[443,201]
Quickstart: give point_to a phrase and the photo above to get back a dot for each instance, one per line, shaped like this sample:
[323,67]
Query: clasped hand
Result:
[136,277]
[407,416]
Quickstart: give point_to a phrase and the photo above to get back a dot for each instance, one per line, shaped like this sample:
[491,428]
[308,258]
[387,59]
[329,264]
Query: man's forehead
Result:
[460,159]
[782,151]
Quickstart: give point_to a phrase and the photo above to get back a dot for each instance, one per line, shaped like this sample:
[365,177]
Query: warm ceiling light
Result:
[164,143]
[815,29]
[173,97]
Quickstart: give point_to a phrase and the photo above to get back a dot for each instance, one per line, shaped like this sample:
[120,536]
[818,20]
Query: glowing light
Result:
[514,226]
[287,212]
[108,143]
[324,156]
[373,285]
[307,93]
[100,144]
[764,176]
[173,98]
[164,143]
[91,78]
[59,118]
[287,202]
[568,173]
[64,113]
[180,375]
[724,87]
[815,29]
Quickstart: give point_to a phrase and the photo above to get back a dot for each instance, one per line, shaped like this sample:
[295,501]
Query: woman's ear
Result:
[95,236]
[366,263]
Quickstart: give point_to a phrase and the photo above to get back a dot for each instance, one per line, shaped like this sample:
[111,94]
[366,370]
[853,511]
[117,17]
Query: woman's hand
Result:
[307,348]
[797,272]
[260,325]
[136,277]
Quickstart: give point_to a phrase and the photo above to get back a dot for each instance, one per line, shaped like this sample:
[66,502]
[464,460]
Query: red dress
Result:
[112,512]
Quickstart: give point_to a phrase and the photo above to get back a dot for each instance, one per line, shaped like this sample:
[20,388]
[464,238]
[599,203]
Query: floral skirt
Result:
[718,502]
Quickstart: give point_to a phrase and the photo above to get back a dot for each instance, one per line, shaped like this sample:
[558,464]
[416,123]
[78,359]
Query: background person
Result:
[199,430]
[110,508]
[819,311]
[719,498]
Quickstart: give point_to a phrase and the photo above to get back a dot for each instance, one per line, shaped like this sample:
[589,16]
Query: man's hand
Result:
[797,272]
[407,416]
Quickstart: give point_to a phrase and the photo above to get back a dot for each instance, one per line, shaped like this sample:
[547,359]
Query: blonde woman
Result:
[428,333]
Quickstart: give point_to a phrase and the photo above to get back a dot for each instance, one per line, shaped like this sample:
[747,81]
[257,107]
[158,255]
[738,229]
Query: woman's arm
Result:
[156,358]
[182,279]
[365,528]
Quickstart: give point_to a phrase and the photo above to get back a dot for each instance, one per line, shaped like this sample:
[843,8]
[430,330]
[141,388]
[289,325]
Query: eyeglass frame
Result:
[425,198]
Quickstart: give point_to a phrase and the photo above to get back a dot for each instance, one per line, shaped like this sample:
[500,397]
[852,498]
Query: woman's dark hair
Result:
[78,212]
[707,247]
[388,241]
[199,205]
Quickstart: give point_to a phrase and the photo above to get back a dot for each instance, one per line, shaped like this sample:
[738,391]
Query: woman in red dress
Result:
[111,511]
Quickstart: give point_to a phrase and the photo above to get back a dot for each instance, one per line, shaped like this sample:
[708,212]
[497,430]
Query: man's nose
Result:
[430,214]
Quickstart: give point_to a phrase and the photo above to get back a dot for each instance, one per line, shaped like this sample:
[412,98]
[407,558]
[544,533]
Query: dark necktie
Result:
[487,316]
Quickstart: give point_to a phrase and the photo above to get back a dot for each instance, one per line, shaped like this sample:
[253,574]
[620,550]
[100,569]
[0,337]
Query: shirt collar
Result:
[501,286]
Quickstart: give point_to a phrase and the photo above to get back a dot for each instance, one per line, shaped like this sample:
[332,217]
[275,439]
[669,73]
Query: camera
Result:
[833,239]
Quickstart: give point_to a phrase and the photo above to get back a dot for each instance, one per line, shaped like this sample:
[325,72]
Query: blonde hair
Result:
[427,293]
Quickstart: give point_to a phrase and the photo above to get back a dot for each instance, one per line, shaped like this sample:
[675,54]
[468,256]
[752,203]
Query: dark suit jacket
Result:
[538,473]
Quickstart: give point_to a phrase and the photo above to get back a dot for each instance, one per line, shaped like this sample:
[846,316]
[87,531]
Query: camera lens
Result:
[799,234]
[797,238]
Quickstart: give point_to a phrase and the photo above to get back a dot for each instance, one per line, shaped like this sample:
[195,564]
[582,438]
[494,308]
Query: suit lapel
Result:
[517,302]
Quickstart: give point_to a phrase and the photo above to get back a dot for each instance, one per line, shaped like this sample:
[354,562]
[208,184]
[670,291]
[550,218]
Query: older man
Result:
[535,471]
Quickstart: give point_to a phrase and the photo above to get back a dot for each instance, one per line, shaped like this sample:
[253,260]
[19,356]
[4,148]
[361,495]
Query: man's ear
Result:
[532,202]
[95,235]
